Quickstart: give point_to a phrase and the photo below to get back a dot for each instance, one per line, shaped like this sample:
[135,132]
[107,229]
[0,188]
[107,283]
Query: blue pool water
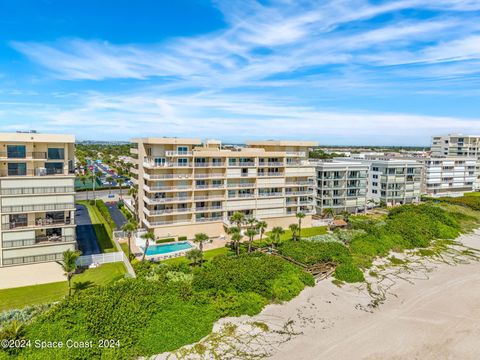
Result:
[168,248]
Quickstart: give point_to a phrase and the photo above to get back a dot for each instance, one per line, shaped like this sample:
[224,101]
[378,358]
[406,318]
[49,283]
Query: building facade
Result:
[394,182]
[458,145]
[341,186]
[186,186]
[37,197]
[449,176]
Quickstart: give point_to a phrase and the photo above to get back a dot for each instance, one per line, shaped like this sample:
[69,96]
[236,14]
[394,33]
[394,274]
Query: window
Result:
[182,149]
[54,168]
[182,162]
[374,191]
[56,153]
[16,152]
[232,162]
[375,176]
[17,169]
[375,168]
[159,161]
[374,184]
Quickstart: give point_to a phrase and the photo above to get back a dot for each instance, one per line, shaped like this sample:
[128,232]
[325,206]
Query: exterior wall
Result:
[185,185]
[458,146]
[341,186]
[452,176]
[395,182]
[37,205]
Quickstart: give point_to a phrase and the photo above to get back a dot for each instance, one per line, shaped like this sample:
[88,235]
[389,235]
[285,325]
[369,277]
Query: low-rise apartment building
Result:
[449,176]
[186,186]
[394,181]
[341,186]
[37,205]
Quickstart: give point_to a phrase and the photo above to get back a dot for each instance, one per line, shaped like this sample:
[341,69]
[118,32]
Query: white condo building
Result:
[449,176]
[341,186]
[37,205]
[458,145]
[186,186]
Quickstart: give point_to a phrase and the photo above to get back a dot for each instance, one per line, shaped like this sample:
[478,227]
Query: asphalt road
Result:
[117,215]
[86,237]
[82,195]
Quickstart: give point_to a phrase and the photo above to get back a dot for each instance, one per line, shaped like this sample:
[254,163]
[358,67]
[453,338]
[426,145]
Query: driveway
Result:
[86,237]
[116,214]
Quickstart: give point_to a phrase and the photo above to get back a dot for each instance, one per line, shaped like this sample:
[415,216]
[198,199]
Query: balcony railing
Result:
[209,176]
[210,197]
[208,208]
[37,223]
[37,207]
[210,186]
[272,163]
[166,176]
[241,185]
[273,174]
[178,153]
[39,240]
[33,259]
[271,194]
[167,199]
[37,190]
[216,218]
[168,211]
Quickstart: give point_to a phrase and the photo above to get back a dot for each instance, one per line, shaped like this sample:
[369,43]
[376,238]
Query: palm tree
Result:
[129,228]
[251,234]
[109,180]
[294,229]
[69,265]
[277,231]
[133,192]
[236,238]
[200,238]
[194,255]
[94,179]
[300,215]
[238,219]
[251,222]
[147,237]
[328,212]
[84,179]
[15,330]
[120,182]
[261,227]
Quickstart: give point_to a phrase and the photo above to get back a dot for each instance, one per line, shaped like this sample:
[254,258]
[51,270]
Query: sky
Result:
[345,72]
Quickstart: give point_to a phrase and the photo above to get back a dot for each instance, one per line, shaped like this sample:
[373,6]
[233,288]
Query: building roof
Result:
[339,222]
[25,137]
[281,143]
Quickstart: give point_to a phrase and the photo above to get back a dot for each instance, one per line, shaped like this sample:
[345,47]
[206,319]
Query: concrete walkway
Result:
[34,274]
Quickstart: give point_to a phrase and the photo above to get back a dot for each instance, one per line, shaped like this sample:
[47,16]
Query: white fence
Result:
[87,260]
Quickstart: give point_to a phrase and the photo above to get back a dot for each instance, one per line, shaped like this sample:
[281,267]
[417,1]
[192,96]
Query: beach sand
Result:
[431,311]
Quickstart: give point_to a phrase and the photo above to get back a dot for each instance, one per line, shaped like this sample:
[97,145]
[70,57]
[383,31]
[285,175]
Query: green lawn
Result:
[101,227]
[207,255]
[306,232]
[476,193]
[39,294]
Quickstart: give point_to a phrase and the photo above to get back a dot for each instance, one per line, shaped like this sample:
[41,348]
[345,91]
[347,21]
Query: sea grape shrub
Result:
[254,272]
[313,252]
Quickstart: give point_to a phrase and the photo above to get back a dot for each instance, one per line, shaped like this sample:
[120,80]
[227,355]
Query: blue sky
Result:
[337,71]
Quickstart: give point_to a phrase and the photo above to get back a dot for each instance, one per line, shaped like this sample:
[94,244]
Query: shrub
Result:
[313,252]
[349,273]
[236,304]
[166,240]
[102,208]
[182,238]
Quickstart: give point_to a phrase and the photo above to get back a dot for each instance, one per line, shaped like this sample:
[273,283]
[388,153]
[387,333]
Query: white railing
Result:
[87,260]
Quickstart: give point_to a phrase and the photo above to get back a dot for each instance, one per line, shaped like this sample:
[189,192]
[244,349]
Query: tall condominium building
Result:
[458,145]
[394,182]
[37,205]
[341,186]
[449,176]
[186,186]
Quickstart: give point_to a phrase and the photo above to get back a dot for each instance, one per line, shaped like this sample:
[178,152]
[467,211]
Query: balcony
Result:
[166,176]
[271,174]
[210,176]
[299,183]
[39,240]
[37,207]
[297,193]
[208,208]
[241,185]
[150,200]
[296,153]
[35,155]
[150,163]
[210,186]
[271,194]
[241,196]
[207,219]
[178,153]
[272,163]
[209,197]
[37,190]
[167,188]
[167,211]
[38,223]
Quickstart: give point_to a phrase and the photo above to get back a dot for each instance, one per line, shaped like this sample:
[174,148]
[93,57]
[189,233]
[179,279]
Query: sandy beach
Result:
[431,311]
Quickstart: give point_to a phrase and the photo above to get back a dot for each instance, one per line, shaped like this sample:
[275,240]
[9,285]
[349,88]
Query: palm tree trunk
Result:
[69,278]
[129,254]
[121,192]
[250,246]
[145,251]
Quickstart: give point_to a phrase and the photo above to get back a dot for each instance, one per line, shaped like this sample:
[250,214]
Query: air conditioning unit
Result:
[40,171]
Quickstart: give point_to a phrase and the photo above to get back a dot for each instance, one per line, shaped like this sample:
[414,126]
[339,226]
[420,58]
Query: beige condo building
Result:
[37,205]
[186,186]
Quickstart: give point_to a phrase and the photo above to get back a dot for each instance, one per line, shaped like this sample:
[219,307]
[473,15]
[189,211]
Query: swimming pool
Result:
[160,249]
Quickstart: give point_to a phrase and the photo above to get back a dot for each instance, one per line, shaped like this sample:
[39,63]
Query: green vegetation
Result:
[16,298]
[208,255]
[475,193]
[288,235]
[109,154]
[165,307]
[311,253]
[471,200]
[102,226]
[165,240]
[128,215]
[321,154]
